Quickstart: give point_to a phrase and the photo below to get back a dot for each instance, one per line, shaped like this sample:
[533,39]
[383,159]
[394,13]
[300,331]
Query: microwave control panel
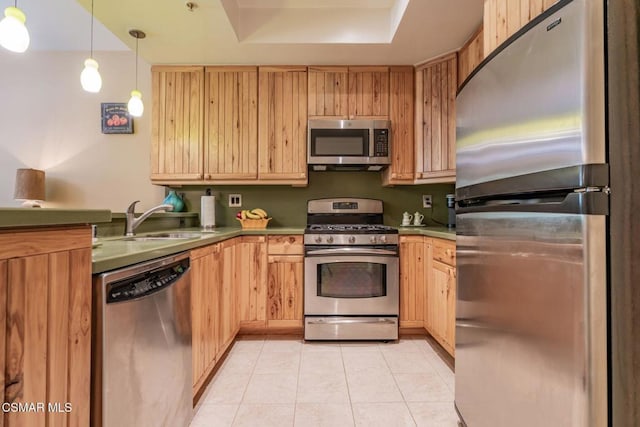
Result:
[381,142]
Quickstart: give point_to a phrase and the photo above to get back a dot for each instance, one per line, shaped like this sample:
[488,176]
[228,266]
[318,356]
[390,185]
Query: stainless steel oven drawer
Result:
[350,328]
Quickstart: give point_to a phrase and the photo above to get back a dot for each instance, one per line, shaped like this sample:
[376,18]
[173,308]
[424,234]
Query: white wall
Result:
[48,122]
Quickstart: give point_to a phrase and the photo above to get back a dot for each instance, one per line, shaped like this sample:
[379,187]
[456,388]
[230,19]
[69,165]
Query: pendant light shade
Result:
[135,105]
[13,33]
[90,77]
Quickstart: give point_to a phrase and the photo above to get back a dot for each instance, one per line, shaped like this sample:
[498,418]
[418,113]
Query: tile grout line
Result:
[404,398]
[346,380]
[295,398]
[247,385]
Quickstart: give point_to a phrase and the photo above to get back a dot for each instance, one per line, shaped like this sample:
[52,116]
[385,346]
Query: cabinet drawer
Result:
[286,244]
[444,252]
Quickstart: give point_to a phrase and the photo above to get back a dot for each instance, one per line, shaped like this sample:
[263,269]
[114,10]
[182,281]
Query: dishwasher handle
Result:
[147,283]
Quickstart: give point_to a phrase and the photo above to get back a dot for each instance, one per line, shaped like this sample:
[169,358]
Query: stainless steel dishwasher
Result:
[142,345]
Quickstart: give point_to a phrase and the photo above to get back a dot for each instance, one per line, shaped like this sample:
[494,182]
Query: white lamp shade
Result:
[135,106]
[90,76]
[13,33]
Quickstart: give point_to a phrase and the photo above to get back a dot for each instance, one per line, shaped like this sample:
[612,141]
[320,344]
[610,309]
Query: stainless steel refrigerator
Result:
[537,300]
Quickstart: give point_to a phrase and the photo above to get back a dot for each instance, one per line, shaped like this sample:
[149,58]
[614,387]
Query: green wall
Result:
[287,205]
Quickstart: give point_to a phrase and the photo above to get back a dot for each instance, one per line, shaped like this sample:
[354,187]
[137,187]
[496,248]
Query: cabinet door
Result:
[285,287]
[413,278]
[401,113]
[436,84]
[251,265]
[177,124]
[443,305]
[428,285]
[369,92]
[205,282]
[227,308]
[231,123]
[328,92]
[282,124]
[450,316]
[198,285]
[45,306]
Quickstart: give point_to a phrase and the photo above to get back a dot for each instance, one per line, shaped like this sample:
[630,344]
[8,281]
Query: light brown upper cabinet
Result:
[231,123]
[328,92]
[471,55]
[282,125]
[349,92]
[401,113]
[176,132]
[436,85]
[502,18]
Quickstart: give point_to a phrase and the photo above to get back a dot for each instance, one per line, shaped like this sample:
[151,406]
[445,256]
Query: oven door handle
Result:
[352,251]
[349,321]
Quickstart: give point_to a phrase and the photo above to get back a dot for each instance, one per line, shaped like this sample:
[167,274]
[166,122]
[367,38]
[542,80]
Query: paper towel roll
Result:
[208,212]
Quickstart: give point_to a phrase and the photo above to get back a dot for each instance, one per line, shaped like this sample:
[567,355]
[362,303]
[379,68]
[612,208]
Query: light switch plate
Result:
[235,200]
[426,201]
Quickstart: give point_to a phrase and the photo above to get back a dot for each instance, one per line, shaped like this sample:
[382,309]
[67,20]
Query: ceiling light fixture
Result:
[90,76]
[13,33]
[135,105]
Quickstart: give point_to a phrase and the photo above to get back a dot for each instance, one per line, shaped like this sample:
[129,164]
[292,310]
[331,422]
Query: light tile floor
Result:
[287,382]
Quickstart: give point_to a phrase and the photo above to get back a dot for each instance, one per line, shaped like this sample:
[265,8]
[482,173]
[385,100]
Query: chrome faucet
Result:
[133,222]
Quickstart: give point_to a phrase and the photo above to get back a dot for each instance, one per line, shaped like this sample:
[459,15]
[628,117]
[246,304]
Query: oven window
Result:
[342,142]
[352,280]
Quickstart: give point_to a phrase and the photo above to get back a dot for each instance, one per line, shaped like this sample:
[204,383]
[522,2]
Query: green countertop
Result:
[37,217]
[113,253]
[439,232]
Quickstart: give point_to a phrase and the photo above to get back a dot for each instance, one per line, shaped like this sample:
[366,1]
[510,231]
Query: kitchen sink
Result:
[163,236]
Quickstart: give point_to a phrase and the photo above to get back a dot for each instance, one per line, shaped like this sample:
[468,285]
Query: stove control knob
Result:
[318,239]
[329,239]
[383,239]
[352,239]
[374,239]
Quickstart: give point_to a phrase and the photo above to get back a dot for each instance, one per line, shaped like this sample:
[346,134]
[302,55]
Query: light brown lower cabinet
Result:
[440,318]
[251,264]
[45,325]
[415,256]
[443,304]
[253,283]
[285,281]
[285,287]
[428,287]
[228,303]
[205,317]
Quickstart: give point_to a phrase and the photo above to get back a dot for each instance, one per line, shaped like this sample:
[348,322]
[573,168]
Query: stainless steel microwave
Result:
[349,144]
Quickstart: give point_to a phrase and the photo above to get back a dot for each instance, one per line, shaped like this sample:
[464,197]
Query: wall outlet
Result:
[235,200]
[426,201]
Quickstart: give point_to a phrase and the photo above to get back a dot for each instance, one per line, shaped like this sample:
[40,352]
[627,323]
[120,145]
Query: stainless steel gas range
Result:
[351,283]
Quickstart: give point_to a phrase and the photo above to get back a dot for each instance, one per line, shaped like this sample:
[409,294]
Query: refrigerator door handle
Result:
[577,202]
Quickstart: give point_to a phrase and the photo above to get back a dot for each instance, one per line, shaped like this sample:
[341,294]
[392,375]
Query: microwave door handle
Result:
[351,251]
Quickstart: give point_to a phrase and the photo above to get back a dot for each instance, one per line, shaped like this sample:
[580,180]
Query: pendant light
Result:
[135,105]
[13,33]
[90,76]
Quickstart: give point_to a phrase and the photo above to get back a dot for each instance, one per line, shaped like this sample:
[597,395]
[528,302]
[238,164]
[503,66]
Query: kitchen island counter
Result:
[38,217]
